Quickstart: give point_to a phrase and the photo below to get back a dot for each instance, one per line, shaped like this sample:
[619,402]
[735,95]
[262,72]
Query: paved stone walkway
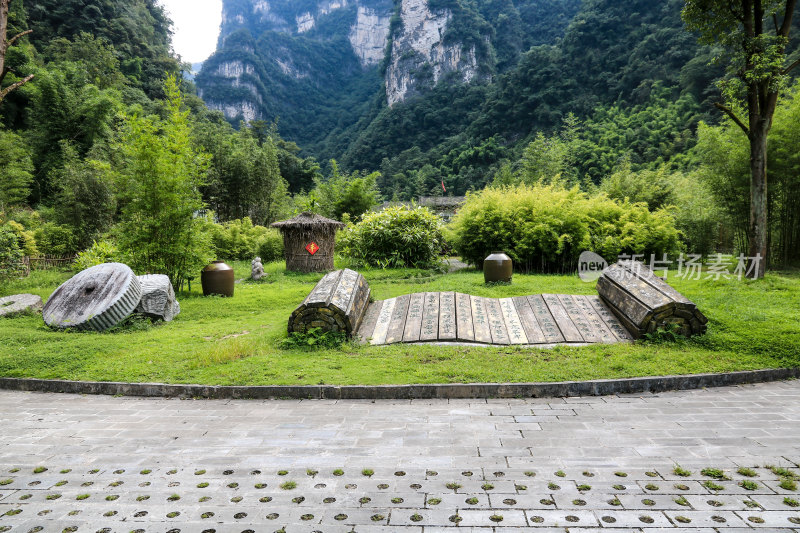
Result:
[84,463]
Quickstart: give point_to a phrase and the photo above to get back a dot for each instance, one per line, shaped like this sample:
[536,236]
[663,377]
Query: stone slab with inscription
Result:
[448,317]
[632,301]
[644,303]
[338,302]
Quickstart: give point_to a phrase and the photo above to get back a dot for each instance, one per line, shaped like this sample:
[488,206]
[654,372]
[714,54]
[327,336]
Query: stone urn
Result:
[497,267]
[217,278]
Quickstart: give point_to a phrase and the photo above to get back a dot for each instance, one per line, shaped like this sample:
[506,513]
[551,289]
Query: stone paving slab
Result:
[631,463]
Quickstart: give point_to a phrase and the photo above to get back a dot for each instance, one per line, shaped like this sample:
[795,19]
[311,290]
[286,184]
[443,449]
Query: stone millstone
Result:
[97,298]
[20,303]
[158,297]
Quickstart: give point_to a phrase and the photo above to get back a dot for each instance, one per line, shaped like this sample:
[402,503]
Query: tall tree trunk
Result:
[758,200]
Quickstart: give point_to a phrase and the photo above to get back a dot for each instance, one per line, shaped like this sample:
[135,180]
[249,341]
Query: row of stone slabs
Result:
[544,319]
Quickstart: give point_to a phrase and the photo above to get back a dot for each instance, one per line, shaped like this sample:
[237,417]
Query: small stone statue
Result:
[257,271]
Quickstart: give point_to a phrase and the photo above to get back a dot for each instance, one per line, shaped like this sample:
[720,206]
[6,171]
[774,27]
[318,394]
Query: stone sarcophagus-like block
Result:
[337,303]
[644,303]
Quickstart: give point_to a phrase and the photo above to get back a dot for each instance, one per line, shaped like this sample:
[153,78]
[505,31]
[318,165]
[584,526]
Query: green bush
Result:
[544,228]
[399,236]
[10,252]
[696,213]
[25,239]
[98,253]
[54,239]
[269,246]
[237,239]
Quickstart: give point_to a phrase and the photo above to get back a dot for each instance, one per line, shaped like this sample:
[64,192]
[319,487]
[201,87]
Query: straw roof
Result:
[308,221]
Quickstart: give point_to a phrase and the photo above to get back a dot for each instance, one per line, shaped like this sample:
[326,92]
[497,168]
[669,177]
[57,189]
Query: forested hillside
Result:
[457,95]
[535,63]
[106,140]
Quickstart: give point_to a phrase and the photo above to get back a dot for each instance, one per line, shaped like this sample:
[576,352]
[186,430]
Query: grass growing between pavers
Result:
[236,341]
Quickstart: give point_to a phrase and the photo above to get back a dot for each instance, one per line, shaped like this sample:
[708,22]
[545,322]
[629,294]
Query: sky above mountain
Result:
[196,26]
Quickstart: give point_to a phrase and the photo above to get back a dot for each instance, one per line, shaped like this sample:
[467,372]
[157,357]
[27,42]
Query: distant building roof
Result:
[442,201]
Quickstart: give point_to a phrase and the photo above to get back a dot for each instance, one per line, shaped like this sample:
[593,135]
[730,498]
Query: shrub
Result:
[159,189]
[269,246]
[54,239]
[10,253]
[398,236]
[544,228]
[98,253]
[237,239]
[25,238]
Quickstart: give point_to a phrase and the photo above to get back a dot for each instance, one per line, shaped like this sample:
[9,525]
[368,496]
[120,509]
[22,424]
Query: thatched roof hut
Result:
[308,242]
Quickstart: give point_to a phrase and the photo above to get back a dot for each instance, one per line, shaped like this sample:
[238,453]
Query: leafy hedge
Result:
[241,240]
[398,236]
[544,228]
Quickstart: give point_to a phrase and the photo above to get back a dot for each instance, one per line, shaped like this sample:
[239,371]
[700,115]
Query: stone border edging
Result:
[601,387]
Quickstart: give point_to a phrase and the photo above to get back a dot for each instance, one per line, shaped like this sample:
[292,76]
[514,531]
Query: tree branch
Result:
[17,37]
[787,19]
[728,111]
[5,92]
[775,21]
[791,67]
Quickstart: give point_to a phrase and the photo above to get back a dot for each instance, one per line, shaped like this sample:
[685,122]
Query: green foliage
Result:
[314,339]
[244,177]
[95,55]
[10,252]
[353,194]
[724,158]
[26,240]
[138,31]
[102,251]
[67,107]
[16,165]
[237,239]
[691,203]
[652,187]
[647,135]
[269,246]
[55,239]
[698,217]
[159,190]
[84,196]
[669,335]
[544,228]
[398,236]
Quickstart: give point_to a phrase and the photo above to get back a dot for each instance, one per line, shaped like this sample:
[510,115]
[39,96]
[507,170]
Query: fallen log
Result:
[337,303]
[645,303]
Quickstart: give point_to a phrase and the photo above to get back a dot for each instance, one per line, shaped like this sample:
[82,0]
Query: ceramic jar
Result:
[497,267]
[217,278]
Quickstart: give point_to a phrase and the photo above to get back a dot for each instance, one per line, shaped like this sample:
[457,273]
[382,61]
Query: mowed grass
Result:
[236,341]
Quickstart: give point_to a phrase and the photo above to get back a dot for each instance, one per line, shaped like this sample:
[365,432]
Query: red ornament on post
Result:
[312,248]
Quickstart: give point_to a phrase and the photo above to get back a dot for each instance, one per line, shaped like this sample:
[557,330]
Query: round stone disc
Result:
[19,303]
[97,298]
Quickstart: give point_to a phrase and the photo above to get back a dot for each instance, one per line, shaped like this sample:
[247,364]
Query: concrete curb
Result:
[602,387]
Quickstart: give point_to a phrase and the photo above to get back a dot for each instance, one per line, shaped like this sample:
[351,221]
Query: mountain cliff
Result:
[428,91]
[318,66]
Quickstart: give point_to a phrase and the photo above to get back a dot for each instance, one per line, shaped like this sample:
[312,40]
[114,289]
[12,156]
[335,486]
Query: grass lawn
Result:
[236,341]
